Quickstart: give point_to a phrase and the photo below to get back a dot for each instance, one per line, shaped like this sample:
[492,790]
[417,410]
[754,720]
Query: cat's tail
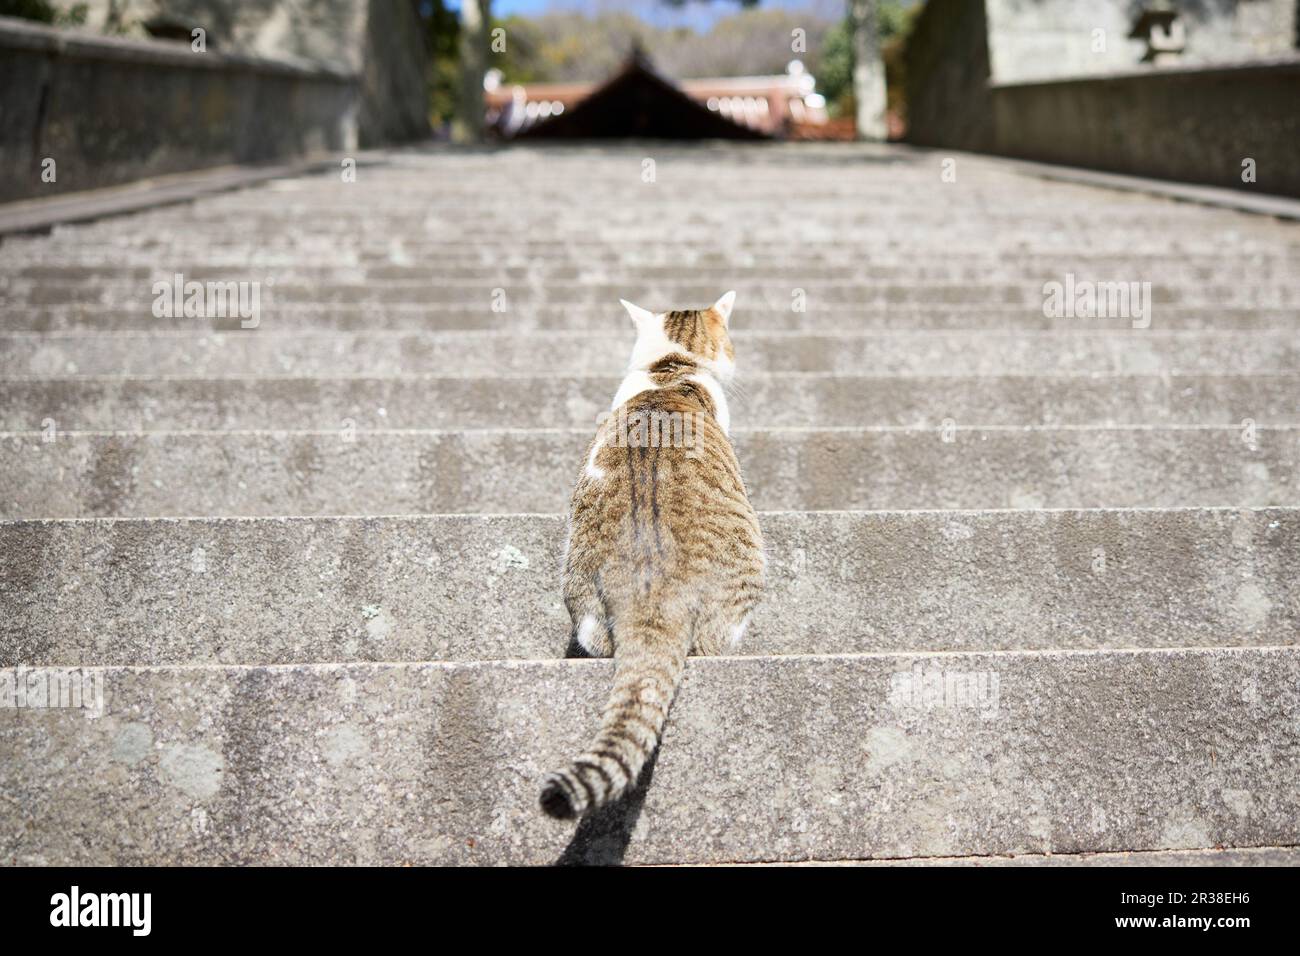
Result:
[647,672]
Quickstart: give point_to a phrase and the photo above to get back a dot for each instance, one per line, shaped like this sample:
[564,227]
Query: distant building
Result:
[638,101]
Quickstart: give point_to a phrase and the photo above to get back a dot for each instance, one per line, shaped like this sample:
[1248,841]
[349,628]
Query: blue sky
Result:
[699,14]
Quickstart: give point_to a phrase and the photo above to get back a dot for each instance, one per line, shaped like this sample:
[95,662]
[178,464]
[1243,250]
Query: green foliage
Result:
[45,11]
[835,75]
[442,39]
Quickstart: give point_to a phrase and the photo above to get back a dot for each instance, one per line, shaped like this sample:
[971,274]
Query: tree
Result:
[868,67]
[868,71]
[44,11]
[475,24]
[835,68]
[442,42]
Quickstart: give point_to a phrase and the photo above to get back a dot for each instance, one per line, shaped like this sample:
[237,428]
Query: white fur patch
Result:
[738,632]
[724,305]
[587,629]
[651,343]
[593,470]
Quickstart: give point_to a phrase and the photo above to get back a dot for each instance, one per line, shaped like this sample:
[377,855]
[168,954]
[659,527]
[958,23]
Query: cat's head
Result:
[699,333]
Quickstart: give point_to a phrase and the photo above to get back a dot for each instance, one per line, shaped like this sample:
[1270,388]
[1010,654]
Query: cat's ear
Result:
[639,315]
[723,306]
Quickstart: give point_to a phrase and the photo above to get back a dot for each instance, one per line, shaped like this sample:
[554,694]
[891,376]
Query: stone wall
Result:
[1050,39]
[381,41]
[325,31]
[1191,124]
[1195,121]
[109,110]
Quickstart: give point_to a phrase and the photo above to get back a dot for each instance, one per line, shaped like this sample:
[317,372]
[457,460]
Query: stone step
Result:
[602,318]
[616,190]
[490,293]
[771,401]
[284,590]
[434,217]
[706,213]
[763,759]
[64,255]
[1228,856]
[958,685]
[135,240]
[398,262]
[81,474]
[411,204]
[937,353]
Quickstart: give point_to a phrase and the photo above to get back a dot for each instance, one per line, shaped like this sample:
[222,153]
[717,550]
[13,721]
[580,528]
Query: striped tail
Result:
[645,683]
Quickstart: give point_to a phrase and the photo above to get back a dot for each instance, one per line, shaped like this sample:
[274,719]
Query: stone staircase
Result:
[1033,579]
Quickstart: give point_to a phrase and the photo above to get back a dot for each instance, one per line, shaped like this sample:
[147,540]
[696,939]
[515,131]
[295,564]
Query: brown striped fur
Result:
[665,557]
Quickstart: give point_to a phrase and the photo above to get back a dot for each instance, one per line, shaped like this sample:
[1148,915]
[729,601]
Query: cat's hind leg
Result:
[589,635]
[721,631]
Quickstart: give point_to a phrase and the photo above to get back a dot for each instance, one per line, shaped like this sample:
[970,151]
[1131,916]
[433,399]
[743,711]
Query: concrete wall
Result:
[946,64]
[380,40]
[110,111]
[1193,121]
[1194,124]
[1049,39]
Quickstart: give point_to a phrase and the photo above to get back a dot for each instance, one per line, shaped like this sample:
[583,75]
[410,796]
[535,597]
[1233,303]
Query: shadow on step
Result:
[602,836]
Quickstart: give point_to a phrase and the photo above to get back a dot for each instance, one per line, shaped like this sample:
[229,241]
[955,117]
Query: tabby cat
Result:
[665,557]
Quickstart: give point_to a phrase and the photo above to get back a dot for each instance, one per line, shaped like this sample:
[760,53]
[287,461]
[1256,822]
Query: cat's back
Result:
[662,485]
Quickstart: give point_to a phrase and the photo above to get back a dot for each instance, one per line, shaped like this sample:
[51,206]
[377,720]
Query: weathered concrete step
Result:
[775,243]
[684,187]
[275,354]
[294,282]
[613,206]
[763,759]
[773,401]
[818,318]
[399,265]
[710,209]
[89,258]
[707,209]
[81,474]
[266,590]
[617,190]
[1230,856]
[695,194]
[667,293]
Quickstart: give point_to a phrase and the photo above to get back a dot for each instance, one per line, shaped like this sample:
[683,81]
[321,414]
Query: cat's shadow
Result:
[603,835]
